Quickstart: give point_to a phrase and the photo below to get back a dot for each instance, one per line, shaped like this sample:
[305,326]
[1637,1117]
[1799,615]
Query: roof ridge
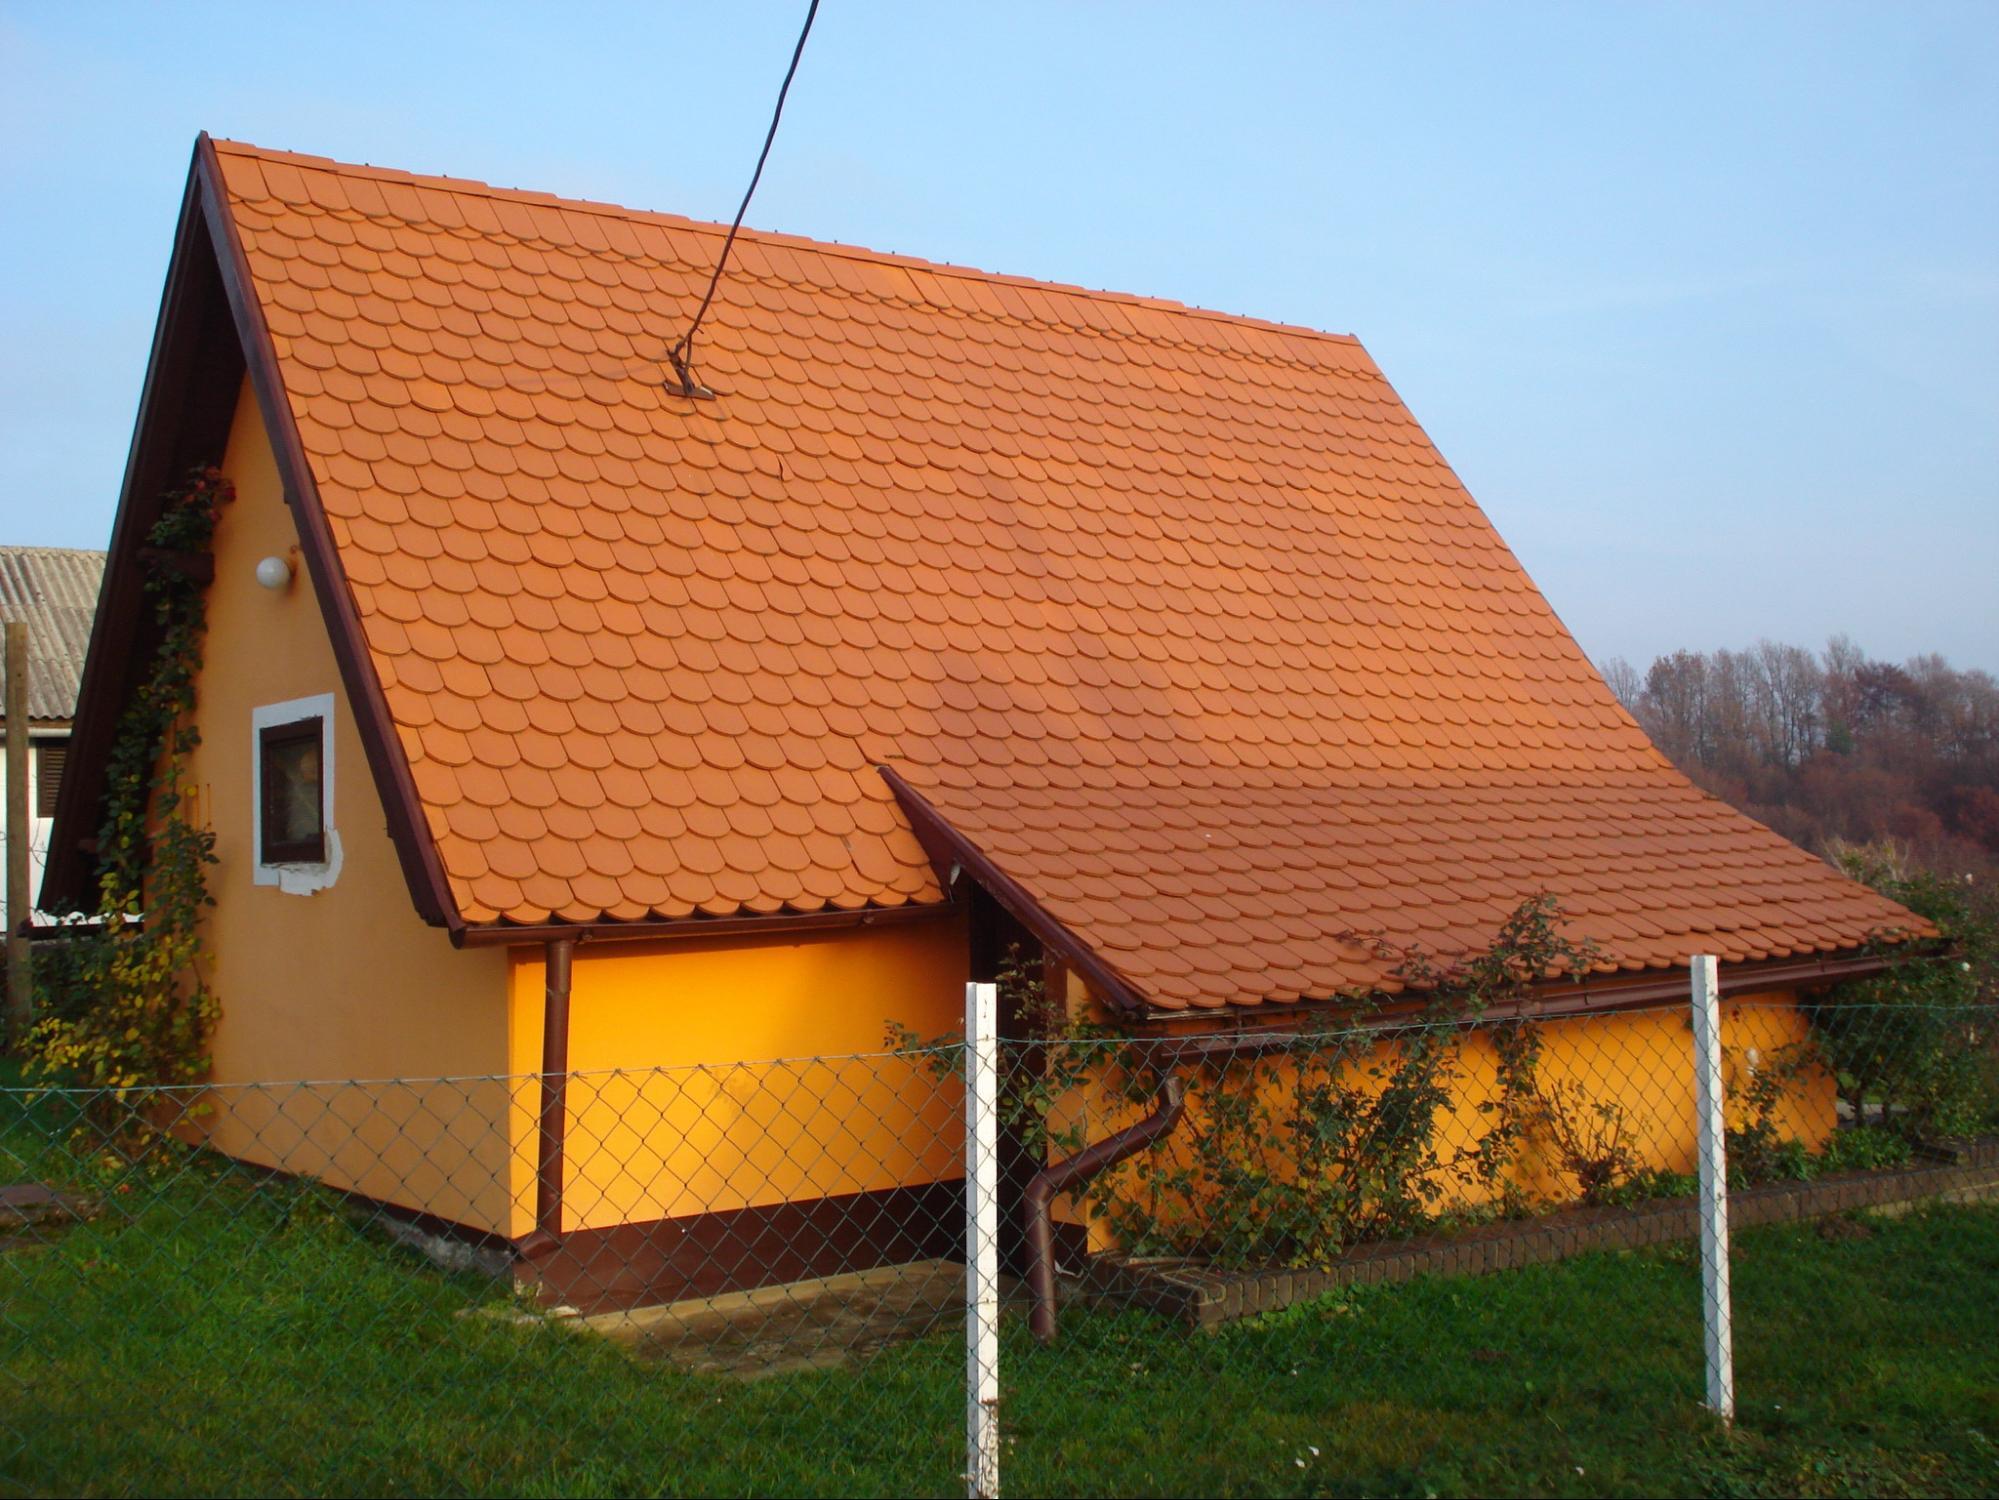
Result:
[835,248]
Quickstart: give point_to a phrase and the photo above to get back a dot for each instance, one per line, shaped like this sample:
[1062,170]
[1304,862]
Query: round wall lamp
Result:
[275,572]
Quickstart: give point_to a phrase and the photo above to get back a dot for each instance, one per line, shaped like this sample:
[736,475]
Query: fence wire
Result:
[1450,1256]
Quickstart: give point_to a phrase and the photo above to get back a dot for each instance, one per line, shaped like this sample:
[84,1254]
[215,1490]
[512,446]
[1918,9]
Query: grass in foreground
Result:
[215,1336]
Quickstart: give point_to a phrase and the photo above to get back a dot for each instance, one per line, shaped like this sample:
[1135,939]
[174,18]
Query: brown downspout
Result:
[554,1102]
[1063,1175]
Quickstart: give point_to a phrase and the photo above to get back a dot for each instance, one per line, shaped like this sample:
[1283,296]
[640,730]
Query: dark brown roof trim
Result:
[774,924]
[1610,992]
[949,848]
[1623,991]
[423,870]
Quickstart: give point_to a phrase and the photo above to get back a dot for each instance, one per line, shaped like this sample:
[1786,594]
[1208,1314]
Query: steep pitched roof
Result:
[1173,626]
[53,591]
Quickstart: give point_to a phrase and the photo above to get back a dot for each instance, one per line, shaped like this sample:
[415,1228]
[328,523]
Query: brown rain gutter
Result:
[1081,1167]
[772,924]
[554,1101]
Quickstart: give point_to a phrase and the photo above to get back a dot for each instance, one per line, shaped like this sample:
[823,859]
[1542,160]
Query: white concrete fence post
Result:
[982,1446]
[1717,1316]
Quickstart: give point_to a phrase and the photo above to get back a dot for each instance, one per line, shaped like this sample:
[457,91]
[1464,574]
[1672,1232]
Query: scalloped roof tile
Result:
[1179,617]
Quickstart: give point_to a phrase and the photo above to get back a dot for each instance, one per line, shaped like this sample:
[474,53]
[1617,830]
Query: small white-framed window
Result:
[291,795]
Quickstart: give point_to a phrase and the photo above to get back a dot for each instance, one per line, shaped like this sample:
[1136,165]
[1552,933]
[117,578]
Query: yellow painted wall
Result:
[347,983]
[694,1086]
[1640,1062]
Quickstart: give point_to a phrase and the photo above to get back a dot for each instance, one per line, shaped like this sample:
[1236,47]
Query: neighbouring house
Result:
[52,591]
[560,714]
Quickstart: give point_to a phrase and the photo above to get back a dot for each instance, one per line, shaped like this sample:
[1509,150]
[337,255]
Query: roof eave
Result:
[157,448]
[1553,999]
[950,851]
[748,926]
[409,830]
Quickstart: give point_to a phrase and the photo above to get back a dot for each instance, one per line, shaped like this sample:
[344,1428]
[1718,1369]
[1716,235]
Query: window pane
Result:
[294,795]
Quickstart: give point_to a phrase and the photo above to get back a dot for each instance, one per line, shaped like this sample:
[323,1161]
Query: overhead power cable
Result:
[681,355]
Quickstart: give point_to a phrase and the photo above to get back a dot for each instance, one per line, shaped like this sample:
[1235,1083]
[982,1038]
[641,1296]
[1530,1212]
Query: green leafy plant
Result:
[1913,1046]
[127,1007]
[1863,1148]
[1758,1150]
[1050,1058]
[1589,1138]
[1650,1183]
[1290,1154]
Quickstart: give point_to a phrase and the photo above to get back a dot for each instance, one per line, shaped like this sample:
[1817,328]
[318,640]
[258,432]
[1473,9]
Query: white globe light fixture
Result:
[275,572]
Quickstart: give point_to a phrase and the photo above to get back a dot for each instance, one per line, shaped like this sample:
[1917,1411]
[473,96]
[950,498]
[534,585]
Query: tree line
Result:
[1833,747]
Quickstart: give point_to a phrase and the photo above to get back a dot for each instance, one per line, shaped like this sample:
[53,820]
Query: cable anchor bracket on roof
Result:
[689,387]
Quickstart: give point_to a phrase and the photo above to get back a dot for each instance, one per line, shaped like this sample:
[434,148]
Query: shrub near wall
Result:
[1915,1049]
[1380,1124]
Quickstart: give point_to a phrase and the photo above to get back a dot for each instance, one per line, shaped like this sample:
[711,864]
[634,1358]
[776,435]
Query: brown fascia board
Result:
[950,850]
[674,929]
[409,830]
[1554,1000]
[208,250]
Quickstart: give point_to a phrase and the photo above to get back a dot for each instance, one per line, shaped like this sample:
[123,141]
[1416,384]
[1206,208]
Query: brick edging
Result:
[1206,1297]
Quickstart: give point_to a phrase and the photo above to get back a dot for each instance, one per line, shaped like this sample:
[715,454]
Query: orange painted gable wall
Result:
[347,983]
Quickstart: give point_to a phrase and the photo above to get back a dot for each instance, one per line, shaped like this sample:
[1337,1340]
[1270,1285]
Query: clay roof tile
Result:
[1177,616]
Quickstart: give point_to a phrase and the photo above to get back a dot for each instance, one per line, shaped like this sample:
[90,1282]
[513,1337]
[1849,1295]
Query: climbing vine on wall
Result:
[1338,1134]
[126,1006]
[1344,1135]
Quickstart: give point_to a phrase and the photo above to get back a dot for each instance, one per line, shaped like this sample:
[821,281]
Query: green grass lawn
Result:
[211,1335]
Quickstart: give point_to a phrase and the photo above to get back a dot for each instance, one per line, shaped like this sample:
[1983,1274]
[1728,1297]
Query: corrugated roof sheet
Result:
[53,591]
[1179,617]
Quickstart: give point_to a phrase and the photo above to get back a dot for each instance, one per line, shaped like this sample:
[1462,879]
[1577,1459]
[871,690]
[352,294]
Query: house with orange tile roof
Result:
[555,718]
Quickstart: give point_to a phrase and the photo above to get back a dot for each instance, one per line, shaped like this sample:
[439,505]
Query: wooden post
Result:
[1716,1313]
[20,833]
[982,1446]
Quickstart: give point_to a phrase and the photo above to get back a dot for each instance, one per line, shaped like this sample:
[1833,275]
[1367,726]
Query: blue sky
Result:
[1702,302]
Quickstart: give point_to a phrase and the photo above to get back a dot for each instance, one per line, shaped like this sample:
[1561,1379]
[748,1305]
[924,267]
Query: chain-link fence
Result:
[1443,1255]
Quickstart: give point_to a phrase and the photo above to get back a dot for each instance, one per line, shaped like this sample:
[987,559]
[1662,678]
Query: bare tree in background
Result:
[1834,745]
[1623,681]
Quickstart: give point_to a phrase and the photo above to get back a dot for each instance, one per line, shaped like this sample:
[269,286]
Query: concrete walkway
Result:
[830,1323]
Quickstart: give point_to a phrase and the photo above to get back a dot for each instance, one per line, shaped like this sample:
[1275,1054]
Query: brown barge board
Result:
[1205,1296]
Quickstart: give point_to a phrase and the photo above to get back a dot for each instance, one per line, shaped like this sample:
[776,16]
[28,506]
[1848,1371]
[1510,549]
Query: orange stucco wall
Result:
[346,983]
[695,1086]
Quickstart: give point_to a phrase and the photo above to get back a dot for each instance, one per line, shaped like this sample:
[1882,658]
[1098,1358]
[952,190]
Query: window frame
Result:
[301,877]
[310,729]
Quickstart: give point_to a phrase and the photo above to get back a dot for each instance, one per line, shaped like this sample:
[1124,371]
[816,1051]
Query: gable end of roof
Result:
[210,332]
